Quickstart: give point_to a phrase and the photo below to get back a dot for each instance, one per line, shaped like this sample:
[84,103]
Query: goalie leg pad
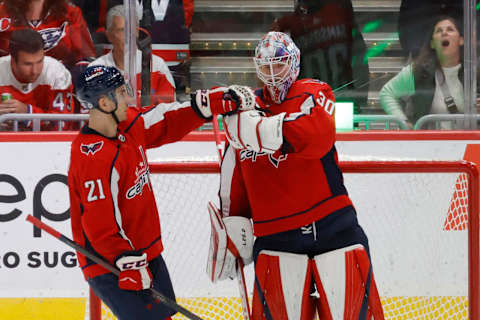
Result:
[344,280]
[282,287]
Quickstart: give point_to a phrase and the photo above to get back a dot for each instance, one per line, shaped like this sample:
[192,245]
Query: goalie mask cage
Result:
[421,218]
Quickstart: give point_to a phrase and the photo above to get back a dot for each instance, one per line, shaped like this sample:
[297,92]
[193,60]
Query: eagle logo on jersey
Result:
[52,36]
[91,148]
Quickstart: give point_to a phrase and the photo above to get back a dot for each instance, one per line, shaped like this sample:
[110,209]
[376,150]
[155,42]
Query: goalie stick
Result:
[239,265]
[107,265]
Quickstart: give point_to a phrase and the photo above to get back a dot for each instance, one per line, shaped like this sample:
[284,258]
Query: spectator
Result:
[161,84]
[167,23]
[37,84]
[95,15]
[433,82]
[60,23]
[337,58]
[415,16]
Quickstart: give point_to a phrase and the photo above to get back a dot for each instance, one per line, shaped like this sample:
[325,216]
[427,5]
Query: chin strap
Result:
[114,116]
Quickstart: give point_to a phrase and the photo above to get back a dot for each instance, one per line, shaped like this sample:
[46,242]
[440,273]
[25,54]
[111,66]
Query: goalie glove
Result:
[222,100]
[134,272]
[253,131]
[231,238]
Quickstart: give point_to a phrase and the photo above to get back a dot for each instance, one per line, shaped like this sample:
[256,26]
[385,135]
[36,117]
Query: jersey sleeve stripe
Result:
[157,114]
[118,215]
[305,109]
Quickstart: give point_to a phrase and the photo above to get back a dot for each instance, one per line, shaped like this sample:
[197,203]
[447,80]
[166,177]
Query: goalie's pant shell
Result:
[134,305]
[336,231]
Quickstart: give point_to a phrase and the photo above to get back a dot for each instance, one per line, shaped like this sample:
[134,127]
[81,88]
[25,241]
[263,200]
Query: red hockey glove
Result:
[134,272]
[222,100]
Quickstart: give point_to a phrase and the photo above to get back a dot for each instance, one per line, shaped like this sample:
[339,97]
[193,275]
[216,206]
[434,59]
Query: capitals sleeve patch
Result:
[91,148]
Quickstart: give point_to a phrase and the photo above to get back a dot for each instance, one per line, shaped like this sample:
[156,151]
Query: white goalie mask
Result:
[277,61]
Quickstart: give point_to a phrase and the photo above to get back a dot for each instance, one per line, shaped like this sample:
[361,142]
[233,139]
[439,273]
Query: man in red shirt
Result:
[280,172]
[36,83]
[112,204]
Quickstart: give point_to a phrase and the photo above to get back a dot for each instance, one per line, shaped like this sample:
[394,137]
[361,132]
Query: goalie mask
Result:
[277,61]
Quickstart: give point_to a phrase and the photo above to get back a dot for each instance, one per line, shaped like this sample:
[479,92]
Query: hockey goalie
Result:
[283,202]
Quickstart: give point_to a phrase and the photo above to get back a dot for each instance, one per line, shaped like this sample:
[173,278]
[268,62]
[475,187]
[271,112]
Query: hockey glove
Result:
[254,131]
[222,100]
[134,272]
[231,238]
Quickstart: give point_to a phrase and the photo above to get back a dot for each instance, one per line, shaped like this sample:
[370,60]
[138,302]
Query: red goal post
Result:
[467,169]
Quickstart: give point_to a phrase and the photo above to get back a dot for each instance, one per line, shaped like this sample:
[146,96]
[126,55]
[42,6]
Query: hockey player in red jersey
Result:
[60,23]
[280,173]
[112,204]
[36,83]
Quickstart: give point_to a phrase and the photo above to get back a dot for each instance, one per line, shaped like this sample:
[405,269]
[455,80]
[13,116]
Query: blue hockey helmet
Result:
[97,81]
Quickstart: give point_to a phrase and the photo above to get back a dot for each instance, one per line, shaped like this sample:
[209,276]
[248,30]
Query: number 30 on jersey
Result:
[327,104]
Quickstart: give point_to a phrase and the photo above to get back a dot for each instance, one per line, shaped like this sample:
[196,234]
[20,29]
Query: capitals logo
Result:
[52,36]
[91,148]
[143,177]
[275,161]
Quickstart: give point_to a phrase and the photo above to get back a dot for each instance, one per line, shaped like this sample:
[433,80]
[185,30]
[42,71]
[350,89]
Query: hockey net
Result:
[421,218]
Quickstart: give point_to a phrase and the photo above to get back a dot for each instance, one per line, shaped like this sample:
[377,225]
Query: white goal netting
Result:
[417,228]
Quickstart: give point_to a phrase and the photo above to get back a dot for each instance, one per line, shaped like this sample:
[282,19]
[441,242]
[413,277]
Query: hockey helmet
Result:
[97,81]
[277,61]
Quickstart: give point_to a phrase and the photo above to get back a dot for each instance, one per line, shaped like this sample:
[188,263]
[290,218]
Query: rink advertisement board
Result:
[33,180]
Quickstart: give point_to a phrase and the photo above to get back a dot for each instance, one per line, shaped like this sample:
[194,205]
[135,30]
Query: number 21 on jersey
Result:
[95,190]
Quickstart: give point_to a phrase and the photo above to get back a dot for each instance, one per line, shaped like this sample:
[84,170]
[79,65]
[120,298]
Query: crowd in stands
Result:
[78,33]
[46,44]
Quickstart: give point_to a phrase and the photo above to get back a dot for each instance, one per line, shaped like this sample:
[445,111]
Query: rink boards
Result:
[39,274]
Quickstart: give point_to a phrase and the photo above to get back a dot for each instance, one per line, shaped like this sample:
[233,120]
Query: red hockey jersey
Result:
[162,85]
[112,204]
[297,185]
[50,93]
[66,39]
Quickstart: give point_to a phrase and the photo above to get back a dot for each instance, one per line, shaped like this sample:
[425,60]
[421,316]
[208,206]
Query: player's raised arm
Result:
[169,122]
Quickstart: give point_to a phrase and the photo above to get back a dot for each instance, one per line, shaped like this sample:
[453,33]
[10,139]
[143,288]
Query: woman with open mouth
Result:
[433,82]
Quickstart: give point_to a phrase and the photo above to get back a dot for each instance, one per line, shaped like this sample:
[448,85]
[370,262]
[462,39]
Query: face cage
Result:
[279,83]
[271,78]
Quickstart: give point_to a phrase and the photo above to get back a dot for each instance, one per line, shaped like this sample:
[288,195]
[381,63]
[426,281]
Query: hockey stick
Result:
[99,260]
[239,265]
